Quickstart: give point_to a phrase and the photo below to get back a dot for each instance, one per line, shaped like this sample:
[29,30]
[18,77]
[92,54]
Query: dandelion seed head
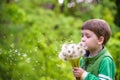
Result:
[71,51]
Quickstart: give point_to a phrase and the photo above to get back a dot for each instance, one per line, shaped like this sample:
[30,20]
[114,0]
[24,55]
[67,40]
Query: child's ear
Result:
[100,40]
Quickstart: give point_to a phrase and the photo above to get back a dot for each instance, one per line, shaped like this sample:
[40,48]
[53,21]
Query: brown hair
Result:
[99,27]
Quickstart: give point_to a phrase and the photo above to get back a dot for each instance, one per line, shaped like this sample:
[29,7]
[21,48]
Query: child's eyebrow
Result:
[85,33]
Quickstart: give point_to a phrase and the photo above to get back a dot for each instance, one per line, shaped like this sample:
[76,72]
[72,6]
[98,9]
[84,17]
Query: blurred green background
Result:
[32,32]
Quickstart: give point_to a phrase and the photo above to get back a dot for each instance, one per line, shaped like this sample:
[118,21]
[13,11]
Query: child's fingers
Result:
[75,68]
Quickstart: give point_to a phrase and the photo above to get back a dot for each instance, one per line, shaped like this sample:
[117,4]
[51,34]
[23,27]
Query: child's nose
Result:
[83,39]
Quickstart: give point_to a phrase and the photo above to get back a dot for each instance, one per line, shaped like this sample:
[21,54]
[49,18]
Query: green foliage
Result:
[31,38]
[32,47]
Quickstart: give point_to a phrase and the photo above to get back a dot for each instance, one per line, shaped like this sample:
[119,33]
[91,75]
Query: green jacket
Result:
[100,67]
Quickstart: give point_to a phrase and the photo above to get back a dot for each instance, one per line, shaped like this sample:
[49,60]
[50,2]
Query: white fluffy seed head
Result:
[71,51]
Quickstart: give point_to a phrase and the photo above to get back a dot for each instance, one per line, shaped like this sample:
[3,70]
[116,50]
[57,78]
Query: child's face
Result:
[90,39]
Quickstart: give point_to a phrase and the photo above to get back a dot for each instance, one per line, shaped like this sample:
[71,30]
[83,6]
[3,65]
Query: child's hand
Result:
[77,71]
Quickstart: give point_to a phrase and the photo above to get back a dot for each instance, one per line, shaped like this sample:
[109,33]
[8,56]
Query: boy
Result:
[97,63]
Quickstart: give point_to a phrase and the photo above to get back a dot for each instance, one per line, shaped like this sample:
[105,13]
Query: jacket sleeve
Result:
[106,71]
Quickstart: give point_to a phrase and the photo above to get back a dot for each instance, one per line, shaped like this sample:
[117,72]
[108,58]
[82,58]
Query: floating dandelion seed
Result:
[24,55]
[12,45]
[19,54]
[28,60]
[16,50]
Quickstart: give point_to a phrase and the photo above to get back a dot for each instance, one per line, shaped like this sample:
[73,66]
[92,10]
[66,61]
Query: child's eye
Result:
[88,36]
